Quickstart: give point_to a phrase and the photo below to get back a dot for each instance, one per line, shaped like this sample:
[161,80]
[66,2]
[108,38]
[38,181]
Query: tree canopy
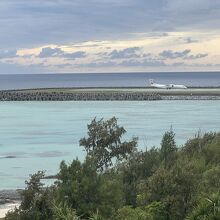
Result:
[104,142]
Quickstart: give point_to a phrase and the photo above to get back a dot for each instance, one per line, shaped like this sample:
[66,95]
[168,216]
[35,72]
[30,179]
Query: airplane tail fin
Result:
[151,81]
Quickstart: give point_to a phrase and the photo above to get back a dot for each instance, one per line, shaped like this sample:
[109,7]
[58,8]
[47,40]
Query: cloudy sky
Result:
[60,36]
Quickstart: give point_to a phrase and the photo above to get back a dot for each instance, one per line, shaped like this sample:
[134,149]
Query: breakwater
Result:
[76,96]
[109,94]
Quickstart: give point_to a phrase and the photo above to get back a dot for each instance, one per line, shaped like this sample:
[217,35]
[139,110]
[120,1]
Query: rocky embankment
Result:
[76,96]
[107,95]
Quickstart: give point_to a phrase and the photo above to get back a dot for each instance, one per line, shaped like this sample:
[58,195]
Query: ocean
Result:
[39,135]
[24,81]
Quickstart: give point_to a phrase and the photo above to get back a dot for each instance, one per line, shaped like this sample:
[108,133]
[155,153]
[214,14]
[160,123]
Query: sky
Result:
[80,36]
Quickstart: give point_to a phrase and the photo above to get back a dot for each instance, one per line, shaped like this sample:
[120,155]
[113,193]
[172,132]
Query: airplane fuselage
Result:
[167,86]
[160,86]
[173,86]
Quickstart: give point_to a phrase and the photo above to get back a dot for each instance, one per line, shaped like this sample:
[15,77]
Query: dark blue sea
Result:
[107,79]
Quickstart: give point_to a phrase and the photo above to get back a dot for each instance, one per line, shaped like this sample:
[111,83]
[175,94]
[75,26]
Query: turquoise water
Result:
[38,135]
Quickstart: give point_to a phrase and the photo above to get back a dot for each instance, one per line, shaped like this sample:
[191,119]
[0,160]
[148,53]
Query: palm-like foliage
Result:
[208,209]
[96,216]
[64,212]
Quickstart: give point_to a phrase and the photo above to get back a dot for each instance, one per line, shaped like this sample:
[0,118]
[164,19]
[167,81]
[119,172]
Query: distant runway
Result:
[189,91]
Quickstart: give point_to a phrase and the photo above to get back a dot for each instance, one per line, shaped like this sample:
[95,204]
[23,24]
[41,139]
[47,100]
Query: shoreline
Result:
[9,200]
[110,94]
[5,208]
[10,195]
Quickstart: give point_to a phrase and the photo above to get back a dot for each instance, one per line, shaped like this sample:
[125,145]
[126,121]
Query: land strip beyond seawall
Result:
[109,94]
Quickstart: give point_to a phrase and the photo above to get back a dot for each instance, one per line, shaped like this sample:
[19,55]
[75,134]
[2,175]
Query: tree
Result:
[196,145]
[139,166]
[86,191]
[211,180]
[78,185]
[33,190]
[129,213]
[104,143]
[156,211]
[168,148]
[176,187]
[36,201]
[153,211]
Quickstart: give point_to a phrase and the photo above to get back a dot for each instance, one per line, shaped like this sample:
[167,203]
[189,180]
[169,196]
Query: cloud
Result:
[197,56]
[101,64]
[50,52]
[193,6]
[47,52]
[15,68]
[75,55]
[130,52]
[150,62]
[185,54]
[173,55]
[177,64]
[189,40]
[103,58]
[193,14]
[143,63]
[58,22]
[8,53]
[64,65]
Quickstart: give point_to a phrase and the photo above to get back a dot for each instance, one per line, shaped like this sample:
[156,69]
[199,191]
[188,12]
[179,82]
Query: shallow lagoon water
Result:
[38,135]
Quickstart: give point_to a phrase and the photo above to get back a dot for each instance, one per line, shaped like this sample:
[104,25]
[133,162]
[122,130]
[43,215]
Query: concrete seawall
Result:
[110,94]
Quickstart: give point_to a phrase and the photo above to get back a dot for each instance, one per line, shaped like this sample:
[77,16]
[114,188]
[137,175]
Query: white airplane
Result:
[168,86]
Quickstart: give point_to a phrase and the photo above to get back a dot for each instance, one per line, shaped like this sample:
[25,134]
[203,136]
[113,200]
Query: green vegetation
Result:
[116,181]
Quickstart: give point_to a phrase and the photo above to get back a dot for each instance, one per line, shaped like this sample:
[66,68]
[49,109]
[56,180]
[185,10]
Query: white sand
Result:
[7,207]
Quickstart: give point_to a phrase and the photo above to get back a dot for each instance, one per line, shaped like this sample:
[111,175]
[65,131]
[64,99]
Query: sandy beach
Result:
[8,207]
